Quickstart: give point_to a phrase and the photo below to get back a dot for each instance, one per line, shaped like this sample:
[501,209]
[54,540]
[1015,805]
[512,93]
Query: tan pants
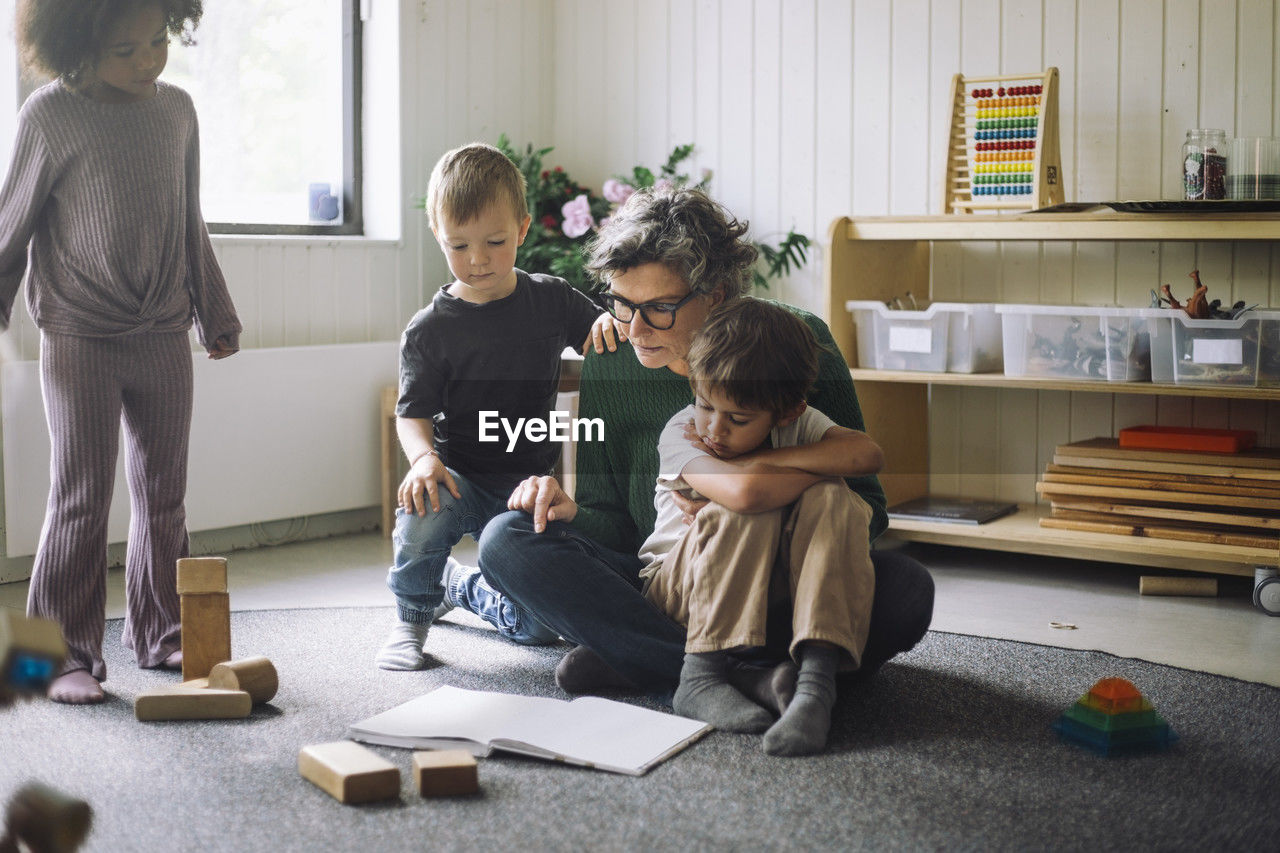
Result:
[716,580]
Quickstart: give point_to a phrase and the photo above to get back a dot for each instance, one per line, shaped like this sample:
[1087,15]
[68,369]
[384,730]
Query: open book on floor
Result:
[588,731]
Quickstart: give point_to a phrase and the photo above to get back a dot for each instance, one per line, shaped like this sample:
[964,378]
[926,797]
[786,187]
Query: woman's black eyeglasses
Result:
[659,315]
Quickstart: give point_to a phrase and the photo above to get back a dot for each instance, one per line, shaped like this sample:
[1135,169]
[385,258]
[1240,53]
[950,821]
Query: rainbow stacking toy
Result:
[1114,717]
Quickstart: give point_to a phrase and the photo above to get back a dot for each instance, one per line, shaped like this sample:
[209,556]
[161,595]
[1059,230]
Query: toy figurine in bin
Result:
[1114,717]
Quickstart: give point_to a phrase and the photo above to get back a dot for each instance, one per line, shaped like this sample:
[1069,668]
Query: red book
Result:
[1188,438]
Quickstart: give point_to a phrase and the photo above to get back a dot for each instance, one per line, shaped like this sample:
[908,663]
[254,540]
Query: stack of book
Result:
[1196,496]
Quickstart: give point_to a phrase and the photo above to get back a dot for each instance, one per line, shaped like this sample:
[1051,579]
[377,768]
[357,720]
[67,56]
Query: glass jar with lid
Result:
[1204,164]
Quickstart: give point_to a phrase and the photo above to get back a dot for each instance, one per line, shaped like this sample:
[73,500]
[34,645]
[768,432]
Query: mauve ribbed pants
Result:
[92,387]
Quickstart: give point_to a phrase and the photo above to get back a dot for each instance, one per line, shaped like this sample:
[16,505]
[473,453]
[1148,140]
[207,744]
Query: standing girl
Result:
[104,189]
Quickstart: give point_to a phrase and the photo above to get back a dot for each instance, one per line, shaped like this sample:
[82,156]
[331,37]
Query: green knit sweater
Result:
[616,476]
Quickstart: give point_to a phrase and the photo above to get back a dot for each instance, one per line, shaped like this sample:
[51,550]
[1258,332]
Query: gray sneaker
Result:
[452,569]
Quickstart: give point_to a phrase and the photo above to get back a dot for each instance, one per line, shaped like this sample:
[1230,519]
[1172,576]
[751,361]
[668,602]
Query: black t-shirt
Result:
[462,359]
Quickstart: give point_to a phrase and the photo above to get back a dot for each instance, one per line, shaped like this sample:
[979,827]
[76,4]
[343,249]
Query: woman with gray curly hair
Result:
[667,258]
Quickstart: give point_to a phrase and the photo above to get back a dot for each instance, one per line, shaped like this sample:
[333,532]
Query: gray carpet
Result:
[950,747]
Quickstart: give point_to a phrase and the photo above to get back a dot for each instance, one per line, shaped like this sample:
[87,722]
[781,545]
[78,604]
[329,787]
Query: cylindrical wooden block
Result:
[1161,585]
[43,818]
[256,676]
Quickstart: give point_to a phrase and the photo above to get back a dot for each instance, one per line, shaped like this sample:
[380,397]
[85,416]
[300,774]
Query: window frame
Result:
[352,146]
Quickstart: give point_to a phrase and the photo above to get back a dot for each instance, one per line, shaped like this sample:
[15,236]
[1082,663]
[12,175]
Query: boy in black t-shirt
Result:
[486,350]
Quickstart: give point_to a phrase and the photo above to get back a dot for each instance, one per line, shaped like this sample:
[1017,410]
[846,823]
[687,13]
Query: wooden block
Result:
[43,818]
[1161,585]
[202,574]
[349,772]
[192,703]
[255,675]
[445,773]
[206,632]
[199,684]
[31,651]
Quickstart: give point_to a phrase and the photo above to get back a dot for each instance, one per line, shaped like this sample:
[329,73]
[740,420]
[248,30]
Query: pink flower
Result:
[661,185]
[577,217]
[616,191]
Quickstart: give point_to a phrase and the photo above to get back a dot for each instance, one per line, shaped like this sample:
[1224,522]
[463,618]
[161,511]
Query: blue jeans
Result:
[590,595]
[587,593]
[422,546]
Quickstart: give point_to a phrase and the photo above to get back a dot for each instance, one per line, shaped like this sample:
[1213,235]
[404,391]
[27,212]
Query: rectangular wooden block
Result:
[206,632]
[202,574]
[192,703]
[349,772]
[445,773]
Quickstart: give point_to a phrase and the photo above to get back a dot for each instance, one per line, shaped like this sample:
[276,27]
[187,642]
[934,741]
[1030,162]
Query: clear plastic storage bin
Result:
[1242,352]
[955,337]
[1077,342]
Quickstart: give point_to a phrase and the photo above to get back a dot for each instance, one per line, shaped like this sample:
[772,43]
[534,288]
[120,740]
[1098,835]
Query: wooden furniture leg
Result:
[390,468]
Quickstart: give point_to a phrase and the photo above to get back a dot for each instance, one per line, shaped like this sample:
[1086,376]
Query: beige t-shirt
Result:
[675,452]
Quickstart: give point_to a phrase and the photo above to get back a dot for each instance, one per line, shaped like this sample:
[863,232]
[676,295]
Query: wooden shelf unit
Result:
[882,257]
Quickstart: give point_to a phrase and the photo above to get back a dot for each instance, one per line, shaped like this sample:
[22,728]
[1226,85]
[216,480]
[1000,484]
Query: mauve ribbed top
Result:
[107,196]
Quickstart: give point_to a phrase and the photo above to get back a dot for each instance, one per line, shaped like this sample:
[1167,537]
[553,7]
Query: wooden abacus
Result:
[1002,147]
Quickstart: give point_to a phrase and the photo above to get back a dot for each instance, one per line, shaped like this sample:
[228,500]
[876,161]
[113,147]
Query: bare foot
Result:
[76,687]
[173,661]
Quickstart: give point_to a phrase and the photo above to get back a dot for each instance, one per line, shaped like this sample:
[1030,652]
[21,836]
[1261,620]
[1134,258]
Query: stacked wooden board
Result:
[1216,498]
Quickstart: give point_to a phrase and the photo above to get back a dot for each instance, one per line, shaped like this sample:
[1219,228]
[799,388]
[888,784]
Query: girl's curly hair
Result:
[63,38]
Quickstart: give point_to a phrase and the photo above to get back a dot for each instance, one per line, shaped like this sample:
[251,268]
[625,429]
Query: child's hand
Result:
[606,331]
[689,507]
[422,485]
[222,348]
[691,433]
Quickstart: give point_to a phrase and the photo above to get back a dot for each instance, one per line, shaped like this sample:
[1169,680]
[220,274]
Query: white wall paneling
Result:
[275,433]
[805,110]
[846,106]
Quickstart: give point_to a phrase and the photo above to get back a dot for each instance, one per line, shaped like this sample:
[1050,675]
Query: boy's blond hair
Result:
[757,354]
[466,180]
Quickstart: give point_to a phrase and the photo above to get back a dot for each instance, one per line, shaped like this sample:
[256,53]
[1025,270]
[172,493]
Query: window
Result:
[276,85]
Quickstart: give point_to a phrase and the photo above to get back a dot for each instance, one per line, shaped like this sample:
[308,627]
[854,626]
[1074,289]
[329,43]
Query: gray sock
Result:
[771,687]
[803,729]
[583,671]
[402,649]
[706,694]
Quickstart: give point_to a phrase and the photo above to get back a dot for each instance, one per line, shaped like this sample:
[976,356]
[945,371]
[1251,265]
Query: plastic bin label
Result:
[1210,351]
[911,339]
